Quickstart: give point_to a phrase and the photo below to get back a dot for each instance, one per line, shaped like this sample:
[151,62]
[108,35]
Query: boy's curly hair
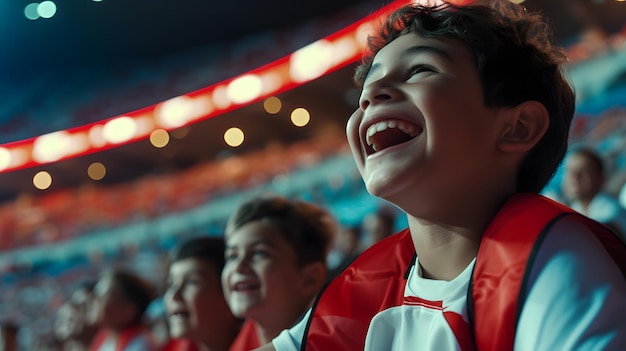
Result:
[516,62]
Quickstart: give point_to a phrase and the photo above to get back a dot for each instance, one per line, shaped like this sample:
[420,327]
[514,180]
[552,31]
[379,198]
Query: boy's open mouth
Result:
[246,286]
[384,134]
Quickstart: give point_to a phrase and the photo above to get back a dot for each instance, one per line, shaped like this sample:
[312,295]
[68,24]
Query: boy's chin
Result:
[179,332]
[381,190]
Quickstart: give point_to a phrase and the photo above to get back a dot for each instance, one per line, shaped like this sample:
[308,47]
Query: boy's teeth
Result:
[406,128]
[245,286]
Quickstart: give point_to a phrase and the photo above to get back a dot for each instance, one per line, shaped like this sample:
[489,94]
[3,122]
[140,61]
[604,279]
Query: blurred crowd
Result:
[36,295]
[90,298]
[66,214]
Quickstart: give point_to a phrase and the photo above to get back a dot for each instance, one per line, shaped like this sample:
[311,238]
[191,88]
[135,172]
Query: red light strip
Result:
[275,78]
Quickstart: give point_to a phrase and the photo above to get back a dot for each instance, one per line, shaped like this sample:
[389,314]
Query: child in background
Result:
[72,327]
[121,298]
[583,182]
[198,316]
[378,225]
[275,264]
[463,117]
[347,247]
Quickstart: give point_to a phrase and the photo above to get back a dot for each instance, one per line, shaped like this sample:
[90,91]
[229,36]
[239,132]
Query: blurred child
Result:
[72,327]
[378,225]
[275,264]
[583,182]
[121,298]
[195,304]
[346,248]
[463,118]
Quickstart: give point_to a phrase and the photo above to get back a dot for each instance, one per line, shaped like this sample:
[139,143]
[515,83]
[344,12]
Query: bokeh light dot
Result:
[300,117]
[42,180]
[47,9]
[272,105]
[30,11]
[96,171]
[159,138]
[234,137]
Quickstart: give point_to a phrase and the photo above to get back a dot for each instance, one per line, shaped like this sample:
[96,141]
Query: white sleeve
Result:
[576,297]
[291,339]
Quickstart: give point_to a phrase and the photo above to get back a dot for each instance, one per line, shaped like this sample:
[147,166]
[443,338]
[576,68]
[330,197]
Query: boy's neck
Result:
[443,252]
[445,248]
[222,340]
[270,328]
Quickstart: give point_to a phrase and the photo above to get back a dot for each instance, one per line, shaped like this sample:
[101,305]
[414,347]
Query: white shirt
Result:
[576,300]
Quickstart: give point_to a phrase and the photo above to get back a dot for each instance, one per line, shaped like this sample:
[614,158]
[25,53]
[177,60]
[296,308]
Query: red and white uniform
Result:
[571,297]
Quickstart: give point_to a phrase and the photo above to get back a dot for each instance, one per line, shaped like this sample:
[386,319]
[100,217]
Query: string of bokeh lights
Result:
[158,121]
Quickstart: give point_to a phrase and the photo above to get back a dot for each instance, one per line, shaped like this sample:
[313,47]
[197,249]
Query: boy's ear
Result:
[524,126]
[313,276]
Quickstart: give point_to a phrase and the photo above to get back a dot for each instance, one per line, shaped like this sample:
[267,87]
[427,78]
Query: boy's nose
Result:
[175,292]
[377,93]
[242,265]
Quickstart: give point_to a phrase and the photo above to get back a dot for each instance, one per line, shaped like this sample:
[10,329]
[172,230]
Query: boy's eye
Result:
[230,256]
[182,284]
[259,253]
[417,69]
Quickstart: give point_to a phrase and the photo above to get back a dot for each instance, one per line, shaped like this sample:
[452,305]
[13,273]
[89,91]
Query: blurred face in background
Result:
[375,229]
[582,179]
[194,302]
[68,322]
[73,319]
[111,309]
[348,240]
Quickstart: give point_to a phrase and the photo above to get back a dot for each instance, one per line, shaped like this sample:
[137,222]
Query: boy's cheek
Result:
[354,121]
[352,133]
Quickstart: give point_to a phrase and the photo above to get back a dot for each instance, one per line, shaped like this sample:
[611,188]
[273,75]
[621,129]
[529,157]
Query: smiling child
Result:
[275,264]
[463,117]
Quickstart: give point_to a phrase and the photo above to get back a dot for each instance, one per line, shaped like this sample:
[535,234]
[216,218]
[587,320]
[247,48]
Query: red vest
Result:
[247,339]
[123,339]
[376,280]
[179,345]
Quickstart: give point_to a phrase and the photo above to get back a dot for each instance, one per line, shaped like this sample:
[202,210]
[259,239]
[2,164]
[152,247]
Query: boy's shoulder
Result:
[525,219]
